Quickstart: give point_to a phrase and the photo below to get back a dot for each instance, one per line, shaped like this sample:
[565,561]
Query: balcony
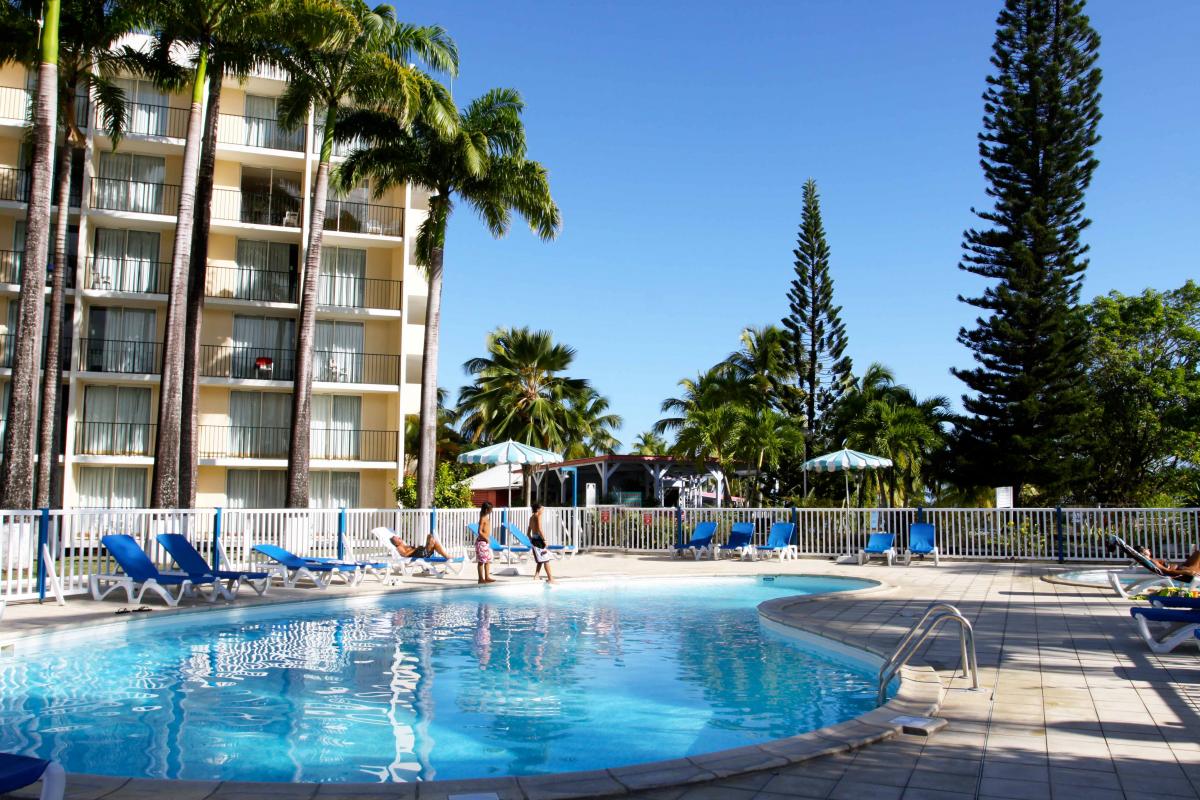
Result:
[114,438]
[118,356]
[345,216]
[146,119]
[259,285]
[340,149]
[14,186]
[346,292]
[229,441]
[123,274]
[256,208]
[242,362]
[244,131]
[8,342]
[138,197]
[15,104]
[10,265]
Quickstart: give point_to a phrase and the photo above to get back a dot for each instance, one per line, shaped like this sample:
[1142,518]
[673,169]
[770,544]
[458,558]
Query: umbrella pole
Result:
[849,547]
[509,485]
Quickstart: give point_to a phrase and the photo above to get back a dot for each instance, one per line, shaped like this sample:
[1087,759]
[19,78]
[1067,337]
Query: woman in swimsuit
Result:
[483,544]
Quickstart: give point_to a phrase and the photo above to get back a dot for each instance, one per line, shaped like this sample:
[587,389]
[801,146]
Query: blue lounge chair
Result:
[701,541]
[1177,625]
[190,561]
[292,569]
[17,772]
[739,541]
[921,542]
[880,544]
[558,550]
[779,542]
[503,552]
[139,574]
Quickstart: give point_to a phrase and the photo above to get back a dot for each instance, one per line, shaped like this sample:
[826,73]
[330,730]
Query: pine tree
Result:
[1041,110]
[816,336]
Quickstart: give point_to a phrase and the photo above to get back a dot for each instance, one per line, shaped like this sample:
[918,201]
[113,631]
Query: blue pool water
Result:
[433,685]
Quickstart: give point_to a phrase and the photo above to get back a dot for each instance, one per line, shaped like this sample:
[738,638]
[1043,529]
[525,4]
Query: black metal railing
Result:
[123,274]
[15,104]
[256,208]
[345,216]
[261,285]
[245,362]
[14,186]
[11,262]
[149,119]
[259,132]
[114,438]
[121,356]
[8,343]
[119,194]
[346,292]
[233,441]
[340,149]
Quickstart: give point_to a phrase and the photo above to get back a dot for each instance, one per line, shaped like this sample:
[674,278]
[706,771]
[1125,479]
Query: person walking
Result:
[483,544]
[541,555]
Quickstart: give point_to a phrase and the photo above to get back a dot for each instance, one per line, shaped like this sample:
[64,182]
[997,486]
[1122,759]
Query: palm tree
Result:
[767,437]
[648,443]
[590,426]
[484,165]
[360,59]
[712,434]
[449,441]
[760,369]
[519,392]
[709,390]
[17,489]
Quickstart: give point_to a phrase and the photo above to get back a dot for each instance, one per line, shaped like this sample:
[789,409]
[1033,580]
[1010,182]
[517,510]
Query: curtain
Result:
[112,487]
[131,183]
[10,333]
[95,487]
[126,261]
[258,424]
[244,410]
[99,412]
[255,488]
[133,420]
[107,262]
[112,190]
[136,333]
[343,274]
[116,420]
[333,490]
[146,191]
[264,271]
[260,120]
[147,107]
[276,421]
[336,420]
[263,337]
[4,392]
[339,352]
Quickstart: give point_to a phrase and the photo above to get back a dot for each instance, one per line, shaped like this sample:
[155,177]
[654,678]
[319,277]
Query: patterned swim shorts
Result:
[483,551]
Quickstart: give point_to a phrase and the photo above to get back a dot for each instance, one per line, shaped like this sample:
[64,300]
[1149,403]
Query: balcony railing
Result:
[114,438]
[340,149]
[261,285]
[14,186]
[345,216]
[244,362]
[117,274]
[119,194]
[147,119]
[256,208]
[259,132]
[231,441]
[120,356]
[8,343]
[344,292]
[15,104]
[11,262]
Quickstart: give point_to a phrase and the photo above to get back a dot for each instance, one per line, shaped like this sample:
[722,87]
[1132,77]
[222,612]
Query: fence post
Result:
[341,550]
[43,540]
[795,526]
[503,525]
[432,522]
[1058,526]
[679,525]
[216,551]
[920,514]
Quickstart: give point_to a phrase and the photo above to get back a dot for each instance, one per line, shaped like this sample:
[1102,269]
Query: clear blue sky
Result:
[678,136]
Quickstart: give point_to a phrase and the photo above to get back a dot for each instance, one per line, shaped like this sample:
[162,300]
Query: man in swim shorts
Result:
[432,547]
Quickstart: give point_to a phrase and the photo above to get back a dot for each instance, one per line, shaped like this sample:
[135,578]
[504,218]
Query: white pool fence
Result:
[53,552]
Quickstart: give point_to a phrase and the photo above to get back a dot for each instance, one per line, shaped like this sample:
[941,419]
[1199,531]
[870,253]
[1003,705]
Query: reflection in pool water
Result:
[472,683]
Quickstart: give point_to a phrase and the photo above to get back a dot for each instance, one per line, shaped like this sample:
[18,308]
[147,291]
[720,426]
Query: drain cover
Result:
[919,726]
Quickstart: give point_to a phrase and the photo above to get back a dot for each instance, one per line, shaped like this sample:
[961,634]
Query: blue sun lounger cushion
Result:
[1170,601]
[293,569]
[880,544]
[739,540]
[194,564]
[701,541]
[921,542]
[141,576]
[1176,625]
[779,542]
[17,772]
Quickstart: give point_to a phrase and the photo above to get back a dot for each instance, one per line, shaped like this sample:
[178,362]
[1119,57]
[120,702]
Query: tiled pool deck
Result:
[1074,703]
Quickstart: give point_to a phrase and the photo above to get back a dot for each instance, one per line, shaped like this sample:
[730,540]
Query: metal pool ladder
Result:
[935,615]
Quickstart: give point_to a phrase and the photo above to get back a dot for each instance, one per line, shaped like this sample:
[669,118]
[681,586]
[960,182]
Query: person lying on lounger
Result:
[1188,570]
[432,547]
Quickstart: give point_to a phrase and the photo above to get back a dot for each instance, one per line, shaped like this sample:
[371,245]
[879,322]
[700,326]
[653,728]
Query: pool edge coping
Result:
[920,693]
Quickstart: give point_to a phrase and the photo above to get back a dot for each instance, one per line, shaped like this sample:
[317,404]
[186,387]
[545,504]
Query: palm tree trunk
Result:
[299,445]
[165,489]
[189,438]
[52,372]
[16,490]
[427,456]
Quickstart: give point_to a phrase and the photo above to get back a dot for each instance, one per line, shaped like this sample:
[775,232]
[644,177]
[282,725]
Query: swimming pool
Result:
[1099,578]
[513,680]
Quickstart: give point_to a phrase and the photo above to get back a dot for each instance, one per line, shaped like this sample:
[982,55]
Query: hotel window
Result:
[263,347]
[255,488]
[112,487]
[126,261]
[270,197]
[72,251]
[333,490]
[130,182]
[121,340]
[336,422]
[339,352]
[116,421]
[343,274]
[266,271]
[259,424]
[147,107]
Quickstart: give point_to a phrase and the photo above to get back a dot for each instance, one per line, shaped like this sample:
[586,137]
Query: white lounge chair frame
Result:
[1176,633]
[908,556]
[102,585]
[889,554]
[786,552]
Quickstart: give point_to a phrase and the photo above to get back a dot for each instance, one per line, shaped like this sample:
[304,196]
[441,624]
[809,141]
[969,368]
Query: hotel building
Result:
[370,317]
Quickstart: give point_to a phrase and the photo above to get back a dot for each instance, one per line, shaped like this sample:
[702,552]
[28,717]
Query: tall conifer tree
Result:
[1041,110]
[816,336]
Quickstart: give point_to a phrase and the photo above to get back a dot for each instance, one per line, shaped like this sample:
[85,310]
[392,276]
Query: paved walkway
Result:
[1074,703]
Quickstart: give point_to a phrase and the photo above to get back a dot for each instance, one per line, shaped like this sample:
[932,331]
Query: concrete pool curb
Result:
[920,693]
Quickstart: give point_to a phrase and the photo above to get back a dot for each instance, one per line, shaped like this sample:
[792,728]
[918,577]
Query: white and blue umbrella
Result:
[846,460]
[510,453]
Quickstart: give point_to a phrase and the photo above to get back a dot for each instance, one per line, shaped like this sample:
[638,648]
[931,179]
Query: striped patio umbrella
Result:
[510,453]
[845,461]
